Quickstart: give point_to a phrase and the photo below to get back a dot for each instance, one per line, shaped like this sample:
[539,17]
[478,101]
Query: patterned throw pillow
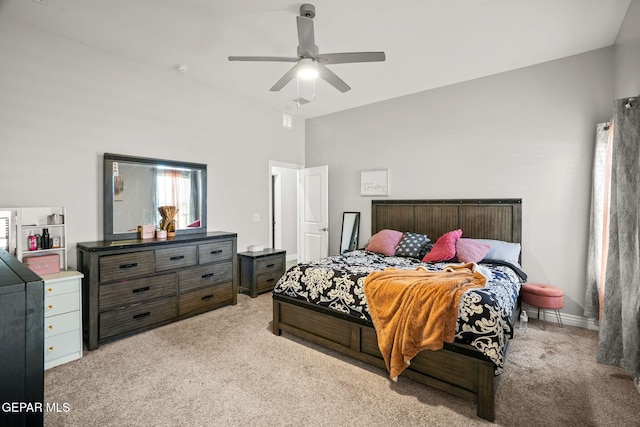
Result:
[411,245]
[445,247]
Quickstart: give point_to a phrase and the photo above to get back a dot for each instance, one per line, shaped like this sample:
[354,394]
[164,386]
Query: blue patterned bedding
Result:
[337,283]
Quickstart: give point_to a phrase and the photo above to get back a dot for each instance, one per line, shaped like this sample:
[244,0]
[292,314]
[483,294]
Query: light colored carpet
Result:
[225,367]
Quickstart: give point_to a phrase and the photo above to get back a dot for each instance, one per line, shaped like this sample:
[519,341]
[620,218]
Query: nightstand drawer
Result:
[271,264]
[139,316]
[206,299]
[217,251]
[207,275]
[129,292]
[125,266]
[267,281]
[172,258]
[61,304]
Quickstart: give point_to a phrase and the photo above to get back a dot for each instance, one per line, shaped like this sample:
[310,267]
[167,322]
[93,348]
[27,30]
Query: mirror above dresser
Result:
[135,187]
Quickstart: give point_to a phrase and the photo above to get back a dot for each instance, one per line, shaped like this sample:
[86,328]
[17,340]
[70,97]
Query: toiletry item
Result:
[32,242]
[56,241]
[46,239]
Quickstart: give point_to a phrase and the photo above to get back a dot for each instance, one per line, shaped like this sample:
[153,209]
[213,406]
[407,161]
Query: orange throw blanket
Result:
[415,310]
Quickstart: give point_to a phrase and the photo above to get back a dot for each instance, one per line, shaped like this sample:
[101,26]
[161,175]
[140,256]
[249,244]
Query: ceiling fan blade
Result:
[348,57]
[332,79]
[306,38]
[263,58]
[289,75]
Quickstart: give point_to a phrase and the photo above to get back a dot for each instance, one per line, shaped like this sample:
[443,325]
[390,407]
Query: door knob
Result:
[324,229]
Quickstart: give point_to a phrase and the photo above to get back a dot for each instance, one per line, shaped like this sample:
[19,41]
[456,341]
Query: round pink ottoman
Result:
[541,295]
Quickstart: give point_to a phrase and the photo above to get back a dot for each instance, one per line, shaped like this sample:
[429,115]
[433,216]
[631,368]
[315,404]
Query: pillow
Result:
[425,250]
[384,242]
[411,245]
[445,247]
[469,250]
[503,251]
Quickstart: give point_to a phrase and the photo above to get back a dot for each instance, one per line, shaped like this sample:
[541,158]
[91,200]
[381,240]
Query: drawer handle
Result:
[207,297]
[141,315]
[176,258]
[50,307]
[206,276]
[217,251]
[50,327]
[138,290]
[50,349]
[271,280]
[270,265]
[49,290]
[131,265]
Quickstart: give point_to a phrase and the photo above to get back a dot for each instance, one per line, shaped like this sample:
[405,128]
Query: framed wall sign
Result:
[374,182]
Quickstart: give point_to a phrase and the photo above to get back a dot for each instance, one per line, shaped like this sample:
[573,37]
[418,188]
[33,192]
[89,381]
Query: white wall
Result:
[527,134]
[63,104]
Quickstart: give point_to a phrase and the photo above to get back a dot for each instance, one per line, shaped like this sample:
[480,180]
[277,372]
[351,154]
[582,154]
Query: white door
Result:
[313,188]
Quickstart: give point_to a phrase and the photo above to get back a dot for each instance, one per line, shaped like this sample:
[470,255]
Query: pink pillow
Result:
[445,247]
[469,250]
[384,242]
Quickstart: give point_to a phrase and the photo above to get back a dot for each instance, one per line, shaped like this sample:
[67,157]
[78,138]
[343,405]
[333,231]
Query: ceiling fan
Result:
[309,63]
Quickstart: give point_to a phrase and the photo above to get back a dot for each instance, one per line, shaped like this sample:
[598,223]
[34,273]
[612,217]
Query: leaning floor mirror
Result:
[350,228]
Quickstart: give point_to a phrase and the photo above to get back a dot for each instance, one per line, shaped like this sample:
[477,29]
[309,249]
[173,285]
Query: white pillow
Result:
[503,251]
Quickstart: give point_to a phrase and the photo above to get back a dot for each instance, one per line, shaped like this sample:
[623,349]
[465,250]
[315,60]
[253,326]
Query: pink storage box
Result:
[43,264]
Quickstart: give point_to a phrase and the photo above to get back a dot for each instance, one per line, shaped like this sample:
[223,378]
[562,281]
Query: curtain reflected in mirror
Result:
[350,231]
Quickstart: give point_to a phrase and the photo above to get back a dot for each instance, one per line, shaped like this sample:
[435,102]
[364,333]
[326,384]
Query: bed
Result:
[325,311]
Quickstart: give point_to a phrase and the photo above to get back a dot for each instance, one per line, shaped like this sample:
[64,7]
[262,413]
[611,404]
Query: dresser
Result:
[261,270]
[133,285]
[62,318]
[21,344]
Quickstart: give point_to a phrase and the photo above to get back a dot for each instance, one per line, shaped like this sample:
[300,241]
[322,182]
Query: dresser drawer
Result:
[206,299]
[139,316]
[124,266]
[271,264]
[61,287]
[212,252]
[127,292]
[198,277]
[56,325]
[172,258]
[61,345]
[61,304]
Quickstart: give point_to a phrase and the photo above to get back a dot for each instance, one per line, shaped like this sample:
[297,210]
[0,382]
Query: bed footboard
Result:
[460,371]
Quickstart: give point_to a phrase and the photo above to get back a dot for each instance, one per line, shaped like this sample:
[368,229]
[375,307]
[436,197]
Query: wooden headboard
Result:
[499,219]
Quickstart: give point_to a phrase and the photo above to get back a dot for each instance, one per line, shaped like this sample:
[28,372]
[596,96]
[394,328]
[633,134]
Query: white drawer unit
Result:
[62,318]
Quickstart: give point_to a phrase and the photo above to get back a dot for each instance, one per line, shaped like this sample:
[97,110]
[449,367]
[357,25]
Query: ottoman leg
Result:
[558,317]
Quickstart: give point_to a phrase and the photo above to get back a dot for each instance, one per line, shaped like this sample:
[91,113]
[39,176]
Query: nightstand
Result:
[260,271]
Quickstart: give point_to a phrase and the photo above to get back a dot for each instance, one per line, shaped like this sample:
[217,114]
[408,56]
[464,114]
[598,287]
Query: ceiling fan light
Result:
[308,69]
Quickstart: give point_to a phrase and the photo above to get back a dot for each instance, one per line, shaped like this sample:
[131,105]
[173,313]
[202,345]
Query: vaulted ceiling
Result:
[428,43]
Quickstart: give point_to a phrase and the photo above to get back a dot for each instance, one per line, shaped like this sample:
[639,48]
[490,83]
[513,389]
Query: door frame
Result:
[283,165]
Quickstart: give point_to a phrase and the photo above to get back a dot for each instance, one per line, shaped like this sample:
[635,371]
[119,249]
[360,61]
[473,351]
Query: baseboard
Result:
[293,257]
[567,319]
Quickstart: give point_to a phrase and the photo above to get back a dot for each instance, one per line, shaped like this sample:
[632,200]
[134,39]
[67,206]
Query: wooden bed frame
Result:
[457,369]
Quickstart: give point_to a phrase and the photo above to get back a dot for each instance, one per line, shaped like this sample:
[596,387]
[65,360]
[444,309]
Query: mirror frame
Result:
[355,233]
[107,204]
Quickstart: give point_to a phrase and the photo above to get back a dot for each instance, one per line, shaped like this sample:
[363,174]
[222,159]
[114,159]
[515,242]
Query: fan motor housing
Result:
[308,10]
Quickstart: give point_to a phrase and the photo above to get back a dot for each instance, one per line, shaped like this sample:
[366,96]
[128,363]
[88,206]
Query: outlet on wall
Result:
[256,217]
